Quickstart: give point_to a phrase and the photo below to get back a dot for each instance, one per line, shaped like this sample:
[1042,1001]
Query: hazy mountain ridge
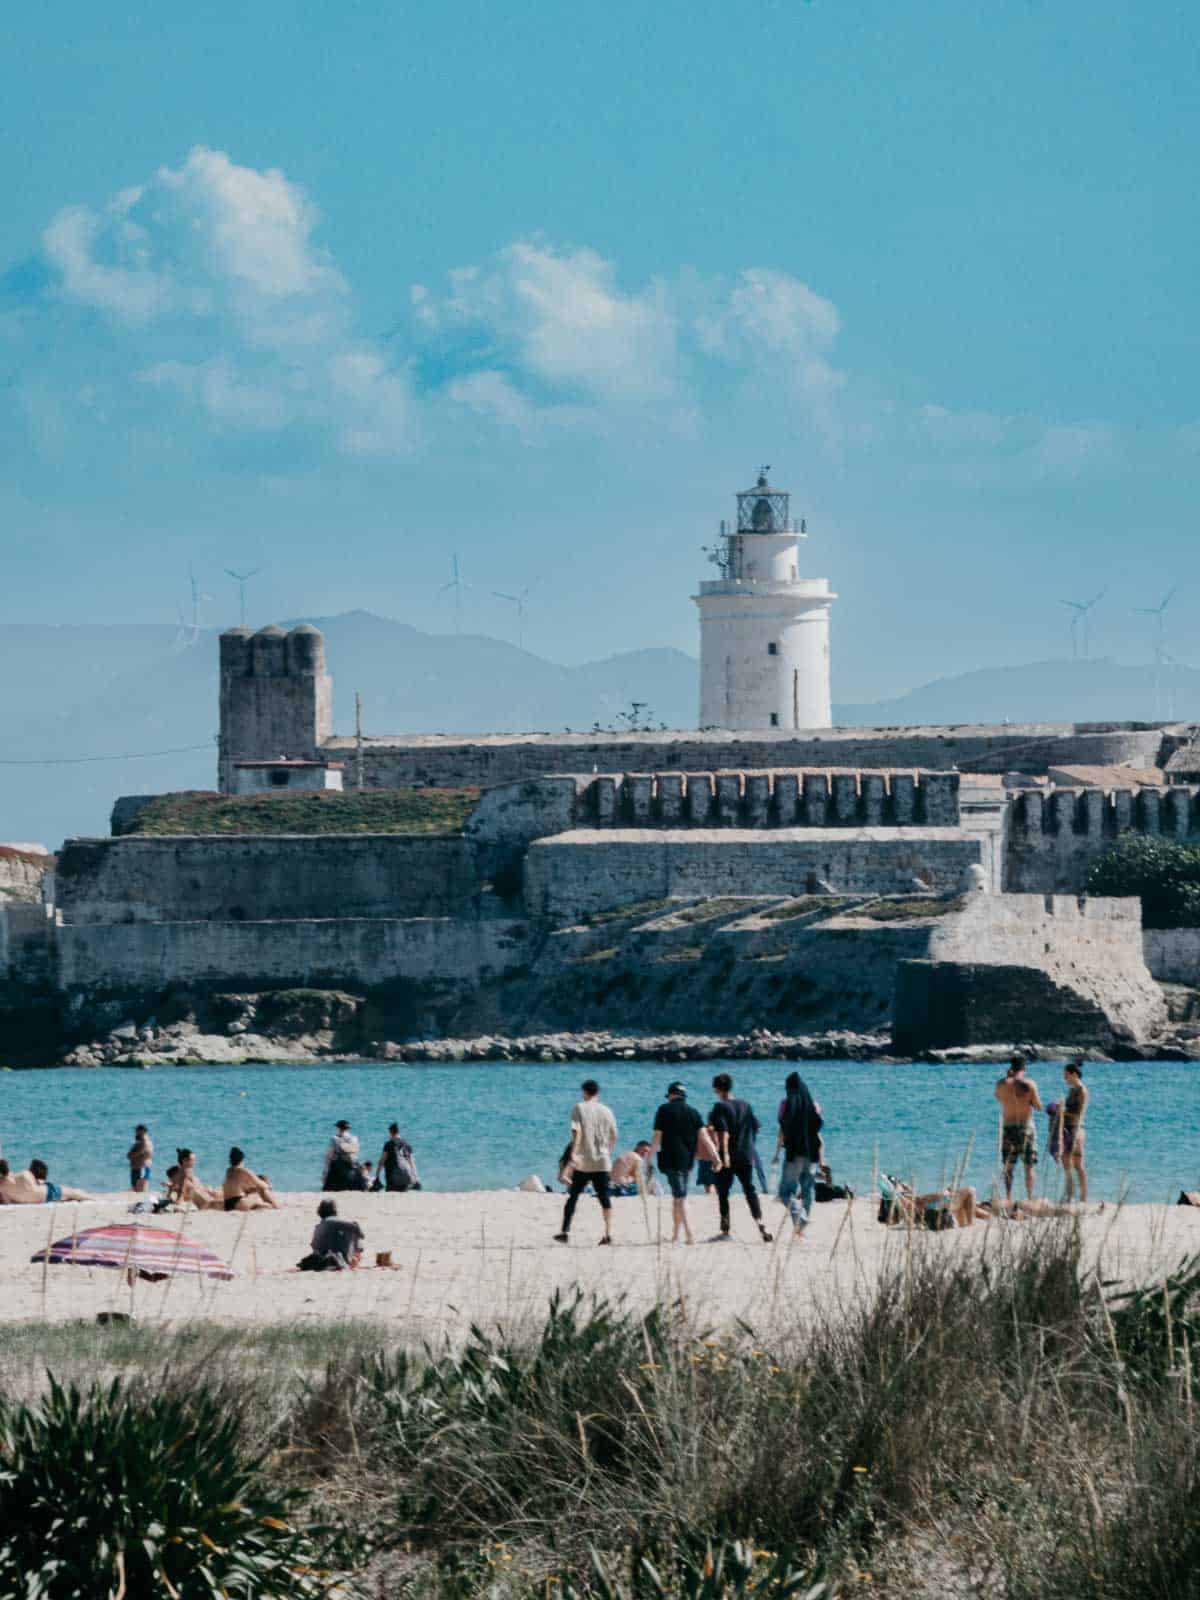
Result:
[100,691]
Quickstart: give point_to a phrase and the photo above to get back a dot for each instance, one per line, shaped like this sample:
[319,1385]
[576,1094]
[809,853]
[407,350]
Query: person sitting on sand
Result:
[34,1187]
[243,1190]
[337,1237]
[632,1172]
[341,1171]
[397,1165]
[185,1188]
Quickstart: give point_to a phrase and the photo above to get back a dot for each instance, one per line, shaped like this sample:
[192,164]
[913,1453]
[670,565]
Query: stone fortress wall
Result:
[485,760]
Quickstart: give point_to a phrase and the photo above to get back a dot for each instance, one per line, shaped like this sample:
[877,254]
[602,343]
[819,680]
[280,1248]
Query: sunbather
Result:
[243,1190]
[34,1187]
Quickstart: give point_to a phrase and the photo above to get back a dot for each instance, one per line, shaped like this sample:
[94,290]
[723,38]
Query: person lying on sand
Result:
[33,1187]
[632,1172]
[243,1190]
[900,1206]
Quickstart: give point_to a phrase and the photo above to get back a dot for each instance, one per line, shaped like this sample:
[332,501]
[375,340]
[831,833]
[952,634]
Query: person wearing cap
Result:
[341,1159]
[676,1128]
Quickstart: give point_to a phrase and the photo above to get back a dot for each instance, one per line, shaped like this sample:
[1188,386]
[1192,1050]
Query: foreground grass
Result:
[983,1425]
[352,811]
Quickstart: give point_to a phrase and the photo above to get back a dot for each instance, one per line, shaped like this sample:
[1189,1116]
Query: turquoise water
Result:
[486,1126]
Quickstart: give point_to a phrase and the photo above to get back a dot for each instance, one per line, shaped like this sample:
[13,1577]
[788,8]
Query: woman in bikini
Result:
[1072,1131]
[185,1188]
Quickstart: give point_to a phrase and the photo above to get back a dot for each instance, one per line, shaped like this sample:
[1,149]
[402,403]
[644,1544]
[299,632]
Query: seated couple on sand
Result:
[242,1190]
[33,1187]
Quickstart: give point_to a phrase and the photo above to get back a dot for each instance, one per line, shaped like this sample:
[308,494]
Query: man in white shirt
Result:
[593,1139]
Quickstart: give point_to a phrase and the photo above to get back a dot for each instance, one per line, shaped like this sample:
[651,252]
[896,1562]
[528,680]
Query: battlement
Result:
[767,799]
[1054,838]
[1098,814]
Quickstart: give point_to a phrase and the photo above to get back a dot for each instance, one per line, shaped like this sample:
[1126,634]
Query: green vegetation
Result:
[108,1490]
[907,907]
[1164,875]
[641,909]
[808,905]
[353,811]
[980,1423]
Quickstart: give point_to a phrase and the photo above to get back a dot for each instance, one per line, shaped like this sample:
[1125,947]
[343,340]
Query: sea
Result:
[487,1126]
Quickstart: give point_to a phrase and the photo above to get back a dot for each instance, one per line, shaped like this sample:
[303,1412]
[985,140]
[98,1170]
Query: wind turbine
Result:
[189,632]
[458,583]
[242,579]
[1079,622]
[518,600]
[1161,658]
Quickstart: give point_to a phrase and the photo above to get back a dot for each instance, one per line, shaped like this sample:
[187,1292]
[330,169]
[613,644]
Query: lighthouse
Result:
[764,630]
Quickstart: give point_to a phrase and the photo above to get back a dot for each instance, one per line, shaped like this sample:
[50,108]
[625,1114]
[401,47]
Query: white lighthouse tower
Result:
[764,630]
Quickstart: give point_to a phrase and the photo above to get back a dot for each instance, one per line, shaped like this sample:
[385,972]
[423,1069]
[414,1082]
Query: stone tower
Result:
[276,696]
[764,630]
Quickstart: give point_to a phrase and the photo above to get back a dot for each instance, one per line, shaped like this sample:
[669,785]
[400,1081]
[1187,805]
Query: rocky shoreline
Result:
[184,1044]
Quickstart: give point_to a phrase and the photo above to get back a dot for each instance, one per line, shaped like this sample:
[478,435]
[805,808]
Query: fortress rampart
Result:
[1054,838]
[486,760]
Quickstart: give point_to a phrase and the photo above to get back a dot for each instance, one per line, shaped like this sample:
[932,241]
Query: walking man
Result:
[735,1126]
[800,1126]
[593,1139]
[676,1128]
[1019,1099]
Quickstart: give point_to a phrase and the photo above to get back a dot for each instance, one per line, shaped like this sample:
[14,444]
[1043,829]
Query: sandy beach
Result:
[490,1257]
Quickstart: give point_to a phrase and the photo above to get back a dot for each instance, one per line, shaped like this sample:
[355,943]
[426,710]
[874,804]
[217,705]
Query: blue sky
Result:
[341,291]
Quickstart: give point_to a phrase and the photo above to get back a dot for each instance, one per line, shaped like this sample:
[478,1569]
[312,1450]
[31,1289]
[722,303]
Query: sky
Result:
[343,293]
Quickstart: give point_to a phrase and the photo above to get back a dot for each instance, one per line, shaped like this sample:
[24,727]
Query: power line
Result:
[75,761]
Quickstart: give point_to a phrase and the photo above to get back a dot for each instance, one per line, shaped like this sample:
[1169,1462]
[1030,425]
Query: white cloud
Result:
[563,321]
[212,272]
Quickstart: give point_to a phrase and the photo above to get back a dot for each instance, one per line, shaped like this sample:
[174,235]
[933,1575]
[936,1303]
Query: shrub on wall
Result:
[1163,874]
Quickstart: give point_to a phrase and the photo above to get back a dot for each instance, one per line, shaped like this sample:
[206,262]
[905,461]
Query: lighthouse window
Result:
[774,719]
[772,648]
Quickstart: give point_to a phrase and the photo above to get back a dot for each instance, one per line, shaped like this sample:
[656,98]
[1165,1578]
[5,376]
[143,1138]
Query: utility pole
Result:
[358,741]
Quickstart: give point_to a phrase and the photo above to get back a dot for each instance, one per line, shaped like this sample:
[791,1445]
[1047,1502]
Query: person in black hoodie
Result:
[800,1141]
[734,1127]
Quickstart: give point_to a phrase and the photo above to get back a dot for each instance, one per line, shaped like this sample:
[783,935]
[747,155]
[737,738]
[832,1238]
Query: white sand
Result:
[490,1257]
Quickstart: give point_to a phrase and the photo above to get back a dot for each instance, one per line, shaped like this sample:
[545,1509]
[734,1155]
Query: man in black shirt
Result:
[676,1128]
[735,1126]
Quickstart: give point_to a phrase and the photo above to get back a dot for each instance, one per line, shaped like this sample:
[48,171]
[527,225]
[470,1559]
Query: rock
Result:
[235,1028]
[127,1030]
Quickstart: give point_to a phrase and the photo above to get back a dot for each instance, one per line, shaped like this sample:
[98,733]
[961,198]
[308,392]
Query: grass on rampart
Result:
[353,811]
[992,1423]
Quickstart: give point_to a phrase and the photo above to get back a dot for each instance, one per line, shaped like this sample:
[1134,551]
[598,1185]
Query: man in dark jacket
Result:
[800,1141]
[735,1126]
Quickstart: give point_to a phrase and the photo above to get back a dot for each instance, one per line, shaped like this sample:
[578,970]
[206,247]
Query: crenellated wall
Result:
[1054,838]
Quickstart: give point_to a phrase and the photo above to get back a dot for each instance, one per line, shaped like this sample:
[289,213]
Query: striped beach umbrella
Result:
[153,1253]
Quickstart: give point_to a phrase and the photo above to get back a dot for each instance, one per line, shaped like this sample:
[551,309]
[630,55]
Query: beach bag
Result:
[938,1218]
[324,1262]
[823,1191]
[706,1149]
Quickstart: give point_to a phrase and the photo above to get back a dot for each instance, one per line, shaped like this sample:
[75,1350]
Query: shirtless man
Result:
[632,1173]
[244,1190]
[1019,1099]
[33,1187]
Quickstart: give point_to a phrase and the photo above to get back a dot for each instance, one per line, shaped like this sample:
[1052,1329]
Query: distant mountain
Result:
[131,691]
[99,692]
[1042,691]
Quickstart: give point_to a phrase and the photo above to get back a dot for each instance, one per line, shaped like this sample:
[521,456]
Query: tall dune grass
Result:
[994,1423]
